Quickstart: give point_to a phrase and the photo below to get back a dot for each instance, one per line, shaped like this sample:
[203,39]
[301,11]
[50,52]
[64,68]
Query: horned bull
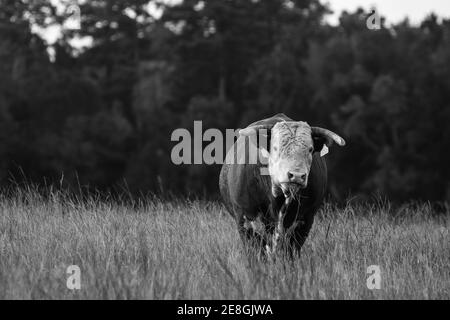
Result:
[285,200]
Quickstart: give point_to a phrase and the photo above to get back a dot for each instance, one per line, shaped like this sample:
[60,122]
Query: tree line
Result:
[102,116]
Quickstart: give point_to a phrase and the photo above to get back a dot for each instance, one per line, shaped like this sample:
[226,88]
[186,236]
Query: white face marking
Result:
[291,152]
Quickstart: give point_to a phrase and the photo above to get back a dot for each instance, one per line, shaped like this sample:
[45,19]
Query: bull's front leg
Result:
[249,234]
[276,231]
[299,235]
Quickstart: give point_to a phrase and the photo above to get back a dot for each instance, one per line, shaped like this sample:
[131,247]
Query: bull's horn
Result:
[253,129]
[329,136]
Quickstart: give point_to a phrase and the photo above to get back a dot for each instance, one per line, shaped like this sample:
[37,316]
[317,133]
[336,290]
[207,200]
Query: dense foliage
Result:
[103,116]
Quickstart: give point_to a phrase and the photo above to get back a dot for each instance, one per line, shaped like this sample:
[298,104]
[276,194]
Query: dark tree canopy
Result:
[103,116]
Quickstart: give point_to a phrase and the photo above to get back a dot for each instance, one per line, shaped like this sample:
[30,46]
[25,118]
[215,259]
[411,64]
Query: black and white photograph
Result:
[224,155]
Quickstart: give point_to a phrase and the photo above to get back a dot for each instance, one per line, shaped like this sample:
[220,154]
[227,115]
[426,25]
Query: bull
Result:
[284,201]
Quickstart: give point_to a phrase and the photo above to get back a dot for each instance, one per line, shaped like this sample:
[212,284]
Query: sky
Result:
[393,10]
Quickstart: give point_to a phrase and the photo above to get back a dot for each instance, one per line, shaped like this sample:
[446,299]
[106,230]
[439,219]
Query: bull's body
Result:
[247,195]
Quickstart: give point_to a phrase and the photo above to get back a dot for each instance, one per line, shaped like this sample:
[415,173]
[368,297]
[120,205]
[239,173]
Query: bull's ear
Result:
[324,136]
[319,144]
[324,150]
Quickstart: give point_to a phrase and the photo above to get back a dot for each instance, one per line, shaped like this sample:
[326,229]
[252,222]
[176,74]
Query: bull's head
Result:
[292,145]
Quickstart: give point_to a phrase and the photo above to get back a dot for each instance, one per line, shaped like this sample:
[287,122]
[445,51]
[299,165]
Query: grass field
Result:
[191,250]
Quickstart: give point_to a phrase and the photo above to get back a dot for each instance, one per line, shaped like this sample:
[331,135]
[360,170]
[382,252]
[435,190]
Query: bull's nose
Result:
[290,176]
[297,177]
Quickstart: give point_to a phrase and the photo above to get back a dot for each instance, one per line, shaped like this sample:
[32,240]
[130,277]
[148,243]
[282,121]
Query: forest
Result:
[100,117]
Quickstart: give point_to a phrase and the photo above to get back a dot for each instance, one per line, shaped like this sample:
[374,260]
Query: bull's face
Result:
[290,156]
[292,145]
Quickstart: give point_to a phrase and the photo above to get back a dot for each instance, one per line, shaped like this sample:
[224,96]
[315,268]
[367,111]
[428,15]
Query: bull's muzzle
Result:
[298,177]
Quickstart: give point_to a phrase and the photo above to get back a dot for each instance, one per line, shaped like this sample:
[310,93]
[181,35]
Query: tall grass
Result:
[184,249]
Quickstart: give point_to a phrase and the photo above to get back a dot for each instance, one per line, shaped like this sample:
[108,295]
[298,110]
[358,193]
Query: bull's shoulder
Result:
[317,181]
[244,188]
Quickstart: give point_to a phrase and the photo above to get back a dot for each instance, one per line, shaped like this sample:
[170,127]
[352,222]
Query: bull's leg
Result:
[270,232]
[276,230]
[250,238]
[299,235]
[276,235]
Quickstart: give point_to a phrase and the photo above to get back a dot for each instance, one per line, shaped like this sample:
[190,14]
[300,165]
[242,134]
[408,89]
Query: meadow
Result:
[182,249]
